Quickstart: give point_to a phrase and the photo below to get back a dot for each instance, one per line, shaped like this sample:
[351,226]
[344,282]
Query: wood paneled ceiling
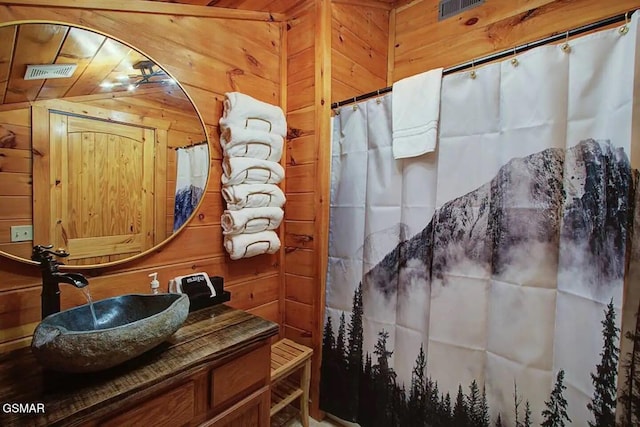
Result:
[273,6]
[105,67]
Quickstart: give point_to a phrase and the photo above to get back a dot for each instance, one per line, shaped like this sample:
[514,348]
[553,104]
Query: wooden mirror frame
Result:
[206,140]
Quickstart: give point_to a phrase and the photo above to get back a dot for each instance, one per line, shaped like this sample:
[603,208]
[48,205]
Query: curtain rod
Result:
[503,54]
[192,145]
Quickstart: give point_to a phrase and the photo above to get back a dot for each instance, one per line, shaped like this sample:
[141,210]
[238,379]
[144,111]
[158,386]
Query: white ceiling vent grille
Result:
[49,71]
[449,8]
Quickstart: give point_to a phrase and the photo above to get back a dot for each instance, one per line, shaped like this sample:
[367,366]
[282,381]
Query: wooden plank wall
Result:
[422,43]
[307,171]
[15,179]
[209,56]
[359,49]
[302,146]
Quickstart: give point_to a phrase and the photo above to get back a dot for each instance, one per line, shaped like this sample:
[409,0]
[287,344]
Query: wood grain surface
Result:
[423,43]
[359,49]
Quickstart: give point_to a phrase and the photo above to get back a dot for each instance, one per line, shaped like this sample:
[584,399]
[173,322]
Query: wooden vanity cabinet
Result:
[214,371]
[234,393]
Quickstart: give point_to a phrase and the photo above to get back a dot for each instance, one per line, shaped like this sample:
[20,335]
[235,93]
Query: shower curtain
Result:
[192,170]
[483,284]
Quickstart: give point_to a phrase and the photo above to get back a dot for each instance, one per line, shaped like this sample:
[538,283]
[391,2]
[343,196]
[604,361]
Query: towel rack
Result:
[246,198]
[256,242]
[246,224]
[246,173]
[246,123]
[246,147]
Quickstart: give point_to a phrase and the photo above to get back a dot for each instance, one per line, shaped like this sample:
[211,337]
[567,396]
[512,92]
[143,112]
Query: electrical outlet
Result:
[21,233]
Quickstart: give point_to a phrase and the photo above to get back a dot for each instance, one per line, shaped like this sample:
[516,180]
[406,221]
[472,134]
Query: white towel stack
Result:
[252,139]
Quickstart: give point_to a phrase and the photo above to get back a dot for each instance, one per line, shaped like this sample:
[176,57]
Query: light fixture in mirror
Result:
[101,152]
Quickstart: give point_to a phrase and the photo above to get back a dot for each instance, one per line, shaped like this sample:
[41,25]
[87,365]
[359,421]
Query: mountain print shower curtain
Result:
[495,281]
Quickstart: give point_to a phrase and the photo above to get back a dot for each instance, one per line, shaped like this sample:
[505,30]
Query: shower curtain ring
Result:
[378,100]
[355,106]
[337,109]
[472,74]
[514,60]
[566,48]
[625,28]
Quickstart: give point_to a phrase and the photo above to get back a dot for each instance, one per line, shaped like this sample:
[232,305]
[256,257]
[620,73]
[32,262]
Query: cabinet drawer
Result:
[241,376]
[173,408]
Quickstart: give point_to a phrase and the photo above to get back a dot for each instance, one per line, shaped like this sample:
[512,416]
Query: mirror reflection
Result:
[101,152]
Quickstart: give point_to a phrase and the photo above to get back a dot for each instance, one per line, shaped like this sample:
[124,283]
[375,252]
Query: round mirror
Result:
[101,152]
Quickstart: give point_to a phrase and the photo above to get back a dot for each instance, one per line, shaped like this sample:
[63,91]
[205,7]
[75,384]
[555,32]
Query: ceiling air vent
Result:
[49,71]
[449,8]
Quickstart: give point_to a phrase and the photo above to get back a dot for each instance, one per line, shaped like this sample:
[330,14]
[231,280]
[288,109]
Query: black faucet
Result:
[51,277]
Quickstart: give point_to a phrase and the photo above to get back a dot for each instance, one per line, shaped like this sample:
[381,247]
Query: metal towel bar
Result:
[246,123]
[255,243]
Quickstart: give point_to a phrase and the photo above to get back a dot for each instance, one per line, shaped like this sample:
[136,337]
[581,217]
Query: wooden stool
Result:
[287,357]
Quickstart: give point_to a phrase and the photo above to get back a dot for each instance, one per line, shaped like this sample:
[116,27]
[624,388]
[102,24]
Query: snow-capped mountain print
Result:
[500,282]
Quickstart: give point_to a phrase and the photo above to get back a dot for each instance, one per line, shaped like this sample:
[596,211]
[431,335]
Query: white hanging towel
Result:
[251,220]
[245,170]
[248,112]
[253,196]
[415,113]
[237,141]
[249,245]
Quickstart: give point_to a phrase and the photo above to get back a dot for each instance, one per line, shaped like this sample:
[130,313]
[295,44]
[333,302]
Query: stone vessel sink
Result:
[127,326]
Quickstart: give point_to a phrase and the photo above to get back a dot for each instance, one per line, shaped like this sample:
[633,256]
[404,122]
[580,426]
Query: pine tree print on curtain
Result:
[630,397]
[555,414]
[603,405]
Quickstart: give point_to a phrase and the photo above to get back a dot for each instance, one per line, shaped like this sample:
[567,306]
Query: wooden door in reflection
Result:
[102,195]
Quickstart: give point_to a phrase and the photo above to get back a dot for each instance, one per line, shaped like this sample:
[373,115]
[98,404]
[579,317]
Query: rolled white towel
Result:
[237,141]
[246,111]
[245,170]
[249,245]
[251,220]
[242,196]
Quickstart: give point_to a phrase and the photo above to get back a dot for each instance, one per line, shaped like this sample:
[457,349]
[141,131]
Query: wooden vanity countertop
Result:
[210,337]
